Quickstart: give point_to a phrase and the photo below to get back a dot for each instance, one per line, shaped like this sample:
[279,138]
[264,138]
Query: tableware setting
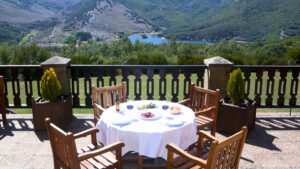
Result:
[173,122]
[149,115]
[175,110]
[119,121]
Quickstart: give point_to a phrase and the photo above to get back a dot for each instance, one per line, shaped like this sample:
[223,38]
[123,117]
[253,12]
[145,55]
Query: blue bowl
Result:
[165,107]
[130,107]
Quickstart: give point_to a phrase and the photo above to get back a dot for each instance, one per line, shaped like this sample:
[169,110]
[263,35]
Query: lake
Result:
[158,40]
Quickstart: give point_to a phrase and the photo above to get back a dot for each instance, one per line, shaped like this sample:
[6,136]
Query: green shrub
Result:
[236,86]
[83,36]
[50,86]
[69,39]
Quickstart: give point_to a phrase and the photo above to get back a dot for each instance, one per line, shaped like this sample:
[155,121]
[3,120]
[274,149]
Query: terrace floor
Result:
[274,143]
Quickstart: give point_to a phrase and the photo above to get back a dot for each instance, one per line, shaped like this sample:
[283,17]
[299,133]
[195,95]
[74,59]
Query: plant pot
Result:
[59,112]
[231,118]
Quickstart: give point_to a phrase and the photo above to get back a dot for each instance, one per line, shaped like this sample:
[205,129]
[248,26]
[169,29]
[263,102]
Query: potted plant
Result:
[235,111]
[51,105]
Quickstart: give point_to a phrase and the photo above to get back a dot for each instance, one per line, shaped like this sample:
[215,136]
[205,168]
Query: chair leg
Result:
[213,130]
[140,162]
[4,120]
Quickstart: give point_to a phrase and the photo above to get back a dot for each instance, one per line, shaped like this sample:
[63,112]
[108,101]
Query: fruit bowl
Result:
[175,110]
[147,106]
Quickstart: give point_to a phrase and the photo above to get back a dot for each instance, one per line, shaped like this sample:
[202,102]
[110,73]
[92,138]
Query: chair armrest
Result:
[90,154]
[207,136]
[185,101]
[175,149]
[201,112]
[100,108]
[86,132]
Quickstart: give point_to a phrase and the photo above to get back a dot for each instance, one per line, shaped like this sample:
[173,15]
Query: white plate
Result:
[119,120]
[173,122]
[155,115]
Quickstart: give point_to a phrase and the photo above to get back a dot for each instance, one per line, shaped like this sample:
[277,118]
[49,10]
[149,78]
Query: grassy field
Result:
[168,91]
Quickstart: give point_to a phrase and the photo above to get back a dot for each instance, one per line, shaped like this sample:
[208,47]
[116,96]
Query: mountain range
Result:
[49,21]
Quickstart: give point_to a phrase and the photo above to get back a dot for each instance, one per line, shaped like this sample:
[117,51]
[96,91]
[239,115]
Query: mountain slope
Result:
[245,20]
[170,13]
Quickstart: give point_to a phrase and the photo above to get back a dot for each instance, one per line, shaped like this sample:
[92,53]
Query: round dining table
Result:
[147,126]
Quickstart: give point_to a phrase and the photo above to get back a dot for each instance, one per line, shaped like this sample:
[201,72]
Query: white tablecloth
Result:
[147,137]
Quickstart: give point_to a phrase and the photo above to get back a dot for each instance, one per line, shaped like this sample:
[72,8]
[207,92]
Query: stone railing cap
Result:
[217,60]
[56,61]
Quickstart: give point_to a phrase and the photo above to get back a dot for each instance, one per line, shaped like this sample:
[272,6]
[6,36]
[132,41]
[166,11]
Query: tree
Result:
[4,54]
[292,56]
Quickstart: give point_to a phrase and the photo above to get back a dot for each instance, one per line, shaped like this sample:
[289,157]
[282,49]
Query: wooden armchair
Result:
[222,154]
[2,101]
[105,97]
[93,156]
[205,104]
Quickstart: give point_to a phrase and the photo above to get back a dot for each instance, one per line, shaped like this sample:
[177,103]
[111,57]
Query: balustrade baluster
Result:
[3,73]
[258,86]
[112,79]
[270,87]
[162,84]
[39,74]
[125,74]
[294,87]
[247,74]
[200,74]
[187,82]
[282,87]
[16,91]
[137,84]
[175,81]
[75,91]
[150,74]
[28,86]
[87,88]
[100,79]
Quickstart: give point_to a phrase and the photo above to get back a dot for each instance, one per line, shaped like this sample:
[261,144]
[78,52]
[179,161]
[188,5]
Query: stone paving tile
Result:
[275,143]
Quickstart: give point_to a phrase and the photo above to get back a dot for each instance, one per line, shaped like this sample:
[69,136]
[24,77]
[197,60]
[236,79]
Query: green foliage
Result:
[293,56]
[278,52]
[236,86]
[31,54]
[83,36]
[50,86]
[184,59]
[69,39]
[77,36]
[4,54]
[9,33]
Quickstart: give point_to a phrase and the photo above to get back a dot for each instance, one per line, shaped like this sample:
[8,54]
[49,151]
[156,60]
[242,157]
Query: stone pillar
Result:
[60,66]
[217,74]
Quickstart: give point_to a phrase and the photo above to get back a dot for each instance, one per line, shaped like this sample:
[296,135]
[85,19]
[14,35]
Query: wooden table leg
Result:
[140,162]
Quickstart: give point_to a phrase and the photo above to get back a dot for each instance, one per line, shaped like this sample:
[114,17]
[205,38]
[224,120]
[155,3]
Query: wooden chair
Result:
[205,104]
[222,154]
[2,101]
[105,97]
[93,156]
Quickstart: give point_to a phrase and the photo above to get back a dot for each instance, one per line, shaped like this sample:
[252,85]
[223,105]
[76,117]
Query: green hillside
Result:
[245,20]
[170,14]
[9,32]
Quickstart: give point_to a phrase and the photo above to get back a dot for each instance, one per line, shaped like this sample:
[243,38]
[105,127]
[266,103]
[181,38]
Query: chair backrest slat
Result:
[63,146]
[202,99]
[108,97]
[228,152]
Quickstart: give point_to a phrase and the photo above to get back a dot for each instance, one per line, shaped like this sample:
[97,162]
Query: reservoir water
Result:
[158,40]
